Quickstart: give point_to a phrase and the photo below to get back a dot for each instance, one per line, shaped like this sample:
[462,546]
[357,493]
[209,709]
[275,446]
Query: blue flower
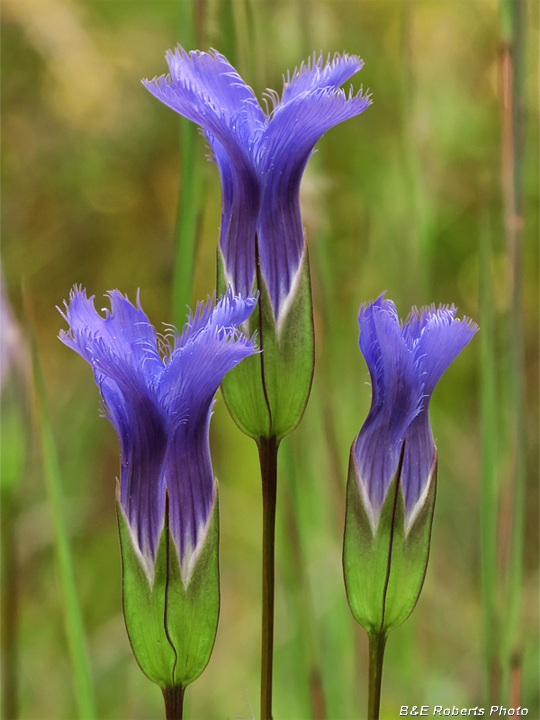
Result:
[405,362]
[260,154]
[158,393]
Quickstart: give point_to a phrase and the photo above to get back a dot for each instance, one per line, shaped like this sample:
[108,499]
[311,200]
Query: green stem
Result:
[84,694]
[191,178]
[513,107]
[9,607]
[489,504]
[186,225]
[174,702]
[268,449]
[377,643]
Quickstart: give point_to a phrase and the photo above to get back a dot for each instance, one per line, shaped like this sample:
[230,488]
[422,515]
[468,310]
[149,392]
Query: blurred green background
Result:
[402,198]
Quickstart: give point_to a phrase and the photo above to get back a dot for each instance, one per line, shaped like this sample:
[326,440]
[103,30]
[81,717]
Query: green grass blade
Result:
[227,31]
[489,500]
[512,18]
[305,672]
[186,222]
[190,192]
[72,612]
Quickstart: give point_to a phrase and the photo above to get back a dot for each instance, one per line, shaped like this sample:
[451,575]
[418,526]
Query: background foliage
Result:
[399,199]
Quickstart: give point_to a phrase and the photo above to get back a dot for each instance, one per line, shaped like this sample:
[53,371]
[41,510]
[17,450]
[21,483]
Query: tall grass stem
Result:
[513,105]
[84,693]
[489,498]
[312,693]
[190,189]
[9,608]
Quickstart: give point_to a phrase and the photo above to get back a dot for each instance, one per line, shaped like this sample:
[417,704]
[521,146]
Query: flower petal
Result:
[205,88]
[418,459]
[121,348]
[285,148]
[142,430]
[207,349]
[125,331]
[240,203]
[441,340]
[314,74]
[397,398]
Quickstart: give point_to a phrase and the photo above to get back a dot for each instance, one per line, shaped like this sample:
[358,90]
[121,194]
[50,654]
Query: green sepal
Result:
[385,567]
[171,624]
[267,393]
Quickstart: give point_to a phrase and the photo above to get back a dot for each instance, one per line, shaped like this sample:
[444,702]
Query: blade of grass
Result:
[308,680]
[513,103]
[227,33]
[191,181]
[489,499]
[10,607]
[241,27]
[14,423]
[421,220]
[84,692]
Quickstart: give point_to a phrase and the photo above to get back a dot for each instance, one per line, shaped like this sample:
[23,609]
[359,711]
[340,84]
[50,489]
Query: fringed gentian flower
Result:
[158,393]
[405,362]
[261,154]
[393,468]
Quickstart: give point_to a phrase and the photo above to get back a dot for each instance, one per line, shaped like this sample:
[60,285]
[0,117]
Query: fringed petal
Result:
[395,403]
[316,74]
[285,148]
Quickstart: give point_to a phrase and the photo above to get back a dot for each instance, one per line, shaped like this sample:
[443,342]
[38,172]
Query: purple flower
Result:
[158,393]
[260,154]
[405,361]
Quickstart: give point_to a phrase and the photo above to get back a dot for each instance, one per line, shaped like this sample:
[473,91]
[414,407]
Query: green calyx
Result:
[171,622]
[385,567]
[267,393]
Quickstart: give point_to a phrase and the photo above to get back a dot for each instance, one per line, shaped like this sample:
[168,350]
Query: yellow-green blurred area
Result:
[398,199]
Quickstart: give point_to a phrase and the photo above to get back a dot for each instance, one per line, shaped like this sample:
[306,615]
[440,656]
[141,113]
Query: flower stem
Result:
[377,643]
[174,702]
[268,449]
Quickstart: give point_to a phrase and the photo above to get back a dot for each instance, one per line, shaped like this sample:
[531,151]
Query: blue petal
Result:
[209,347]
[370,345]
[201,358]
[240,203]
[418,459]
[125,331]
[217,80]
[121,348]
[142,431]
[314,74]
[190,482]
[285,148]
[205,88]
[417,319]
[397,398]
[231,310]
[441,340]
